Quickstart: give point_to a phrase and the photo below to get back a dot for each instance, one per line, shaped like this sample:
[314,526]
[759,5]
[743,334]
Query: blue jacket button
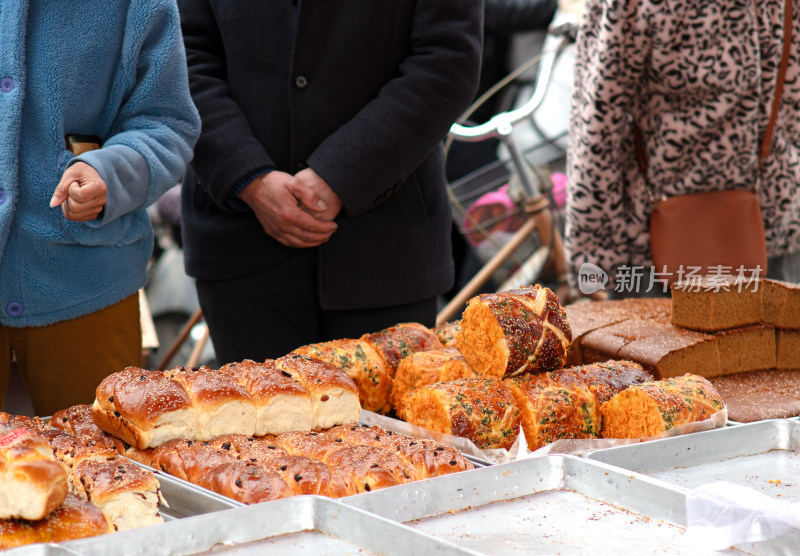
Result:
[7,84]
[14,309]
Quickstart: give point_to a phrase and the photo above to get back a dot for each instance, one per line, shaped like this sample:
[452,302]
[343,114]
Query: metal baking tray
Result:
[552,504]
[48,549]
[764,456]
[299,525]
[185,499]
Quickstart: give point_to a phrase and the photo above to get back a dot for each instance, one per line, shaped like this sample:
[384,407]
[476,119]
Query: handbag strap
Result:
[766,142]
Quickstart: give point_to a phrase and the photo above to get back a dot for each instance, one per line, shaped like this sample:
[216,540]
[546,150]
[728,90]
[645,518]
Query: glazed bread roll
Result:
[128,494]
[362,363]
[649,409]
[513,332]
[368,467]
[144,408]
[428,458]
[74,519]
[222,405]
[32,482]
[282,403]
[334,396]
[479,409]
[399,341]
[244,482]
[427,367]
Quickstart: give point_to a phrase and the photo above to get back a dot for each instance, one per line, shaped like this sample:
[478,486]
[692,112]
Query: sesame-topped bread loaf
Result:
[148,408]
[566,403]
[362,363]
[282,403]
[649,409]
[334,395]
[479,409]
[427,367]
[398,341]
[447,332]
[513,332]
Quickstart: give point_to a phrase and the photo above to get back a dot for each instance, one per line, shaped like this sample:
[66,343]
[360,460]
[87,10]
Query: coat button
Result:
[14,309]
[7,85]
[3,196]
[301,82]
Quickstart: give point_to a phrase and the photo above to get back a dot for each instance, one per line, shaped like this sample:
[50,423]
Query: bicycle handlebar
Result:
[564,26]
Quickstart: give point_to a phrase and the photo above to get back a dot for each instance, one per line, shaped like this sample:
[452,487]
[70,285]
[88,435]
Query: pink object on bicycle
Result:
[559,188]
[488,206]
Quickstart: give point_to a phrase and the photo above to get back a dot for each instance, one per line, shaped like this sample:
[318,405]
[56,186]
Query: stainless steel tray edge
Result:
[683,451]
[259,522]
[625,489]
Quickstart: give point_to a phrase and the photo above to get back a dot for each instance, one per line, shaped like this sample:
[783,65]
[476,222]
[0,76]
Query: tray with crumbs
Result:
[310,525]
[764,456]
[552,504]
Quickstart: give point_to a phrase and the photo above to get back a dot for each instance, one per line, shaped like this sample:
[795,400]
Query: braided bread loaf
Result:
[513,332]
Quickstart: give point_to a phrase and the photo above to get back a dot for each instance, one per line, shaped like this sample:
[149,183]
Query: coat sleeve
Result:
[385,141]
[510,16]
[155,130]
[609,62]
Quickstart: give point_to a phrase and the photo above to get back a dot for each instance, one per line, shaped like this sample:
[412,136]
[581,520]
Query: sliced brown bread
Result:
[749,348]
[781,304]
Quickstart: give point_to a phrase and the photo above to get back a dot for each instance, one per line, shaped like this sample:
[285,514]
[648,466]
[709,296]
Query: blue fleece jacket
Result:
[115,69]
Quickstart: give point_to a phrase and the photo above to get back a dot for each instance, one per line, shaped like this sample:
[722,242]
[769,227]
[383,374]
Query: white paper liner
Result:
[519,450]
[723,514]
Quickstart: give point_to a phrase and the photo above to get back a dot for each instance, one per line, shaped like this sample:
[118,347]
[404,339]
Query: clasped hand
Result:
[81,193]
[297,211]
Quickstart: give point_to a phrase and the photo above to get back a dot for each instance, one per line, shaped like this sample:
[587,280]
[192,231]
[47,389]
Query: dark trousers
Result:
[267,314]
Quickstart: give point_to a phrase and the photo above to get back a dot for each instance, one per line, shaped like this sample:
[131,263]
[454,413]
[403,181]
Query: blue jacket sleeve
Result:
[156,128]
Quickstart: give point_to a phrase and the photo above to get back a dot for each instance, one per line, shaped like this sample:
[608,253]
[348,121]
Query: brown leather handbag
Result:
[718,232]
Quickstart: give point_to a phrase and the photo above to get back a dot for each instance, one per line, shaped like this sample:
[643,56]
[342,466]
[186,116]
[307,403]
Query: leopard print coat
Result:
[698,76]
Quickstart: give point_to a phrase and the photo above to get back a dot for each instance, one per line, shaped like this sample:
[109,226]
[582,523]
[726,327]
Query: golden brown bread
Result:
[221,403]
[144,408]
[75,518]
[128,494]
[553,406]
[362,363]
[606,380]
[334,396]
[648,409]
[426,367]
[716,303]
[399,341]
[513,332]
[244,482]
[479,409]
[32,482]
[282,403]
[429,458]
[447,332]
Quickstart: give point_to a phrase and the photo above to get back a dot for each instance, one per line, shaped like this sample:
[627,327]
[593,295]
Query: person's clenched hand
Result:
[277,199]
[81,193]
[321,188]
